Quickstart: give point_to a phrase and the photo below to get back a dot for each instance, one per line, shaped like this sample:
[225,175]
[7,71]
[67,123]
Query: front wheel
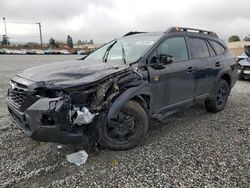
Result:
[127,130]
[219,101]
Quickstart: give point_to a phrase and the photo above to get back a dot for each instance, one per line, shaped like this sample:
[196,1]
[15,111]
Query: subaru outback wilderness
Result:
[110,95]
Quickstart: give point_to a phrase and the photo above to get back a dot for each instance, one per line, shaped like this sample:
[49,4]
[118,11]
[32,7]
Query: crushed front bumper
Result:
[47,120]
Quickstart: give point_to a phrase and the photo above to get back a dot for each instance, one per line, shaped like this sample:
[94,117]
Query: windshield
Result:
[126,49]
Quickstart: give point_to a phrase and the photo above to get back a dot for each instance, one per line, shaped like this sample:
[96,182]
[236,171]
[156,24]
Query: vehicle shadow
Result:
[157,129]
[174,123]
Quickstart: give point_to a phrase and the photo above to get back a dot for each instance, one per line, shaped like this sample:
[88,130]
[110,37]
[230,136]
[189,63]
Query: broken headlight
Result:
[50,93]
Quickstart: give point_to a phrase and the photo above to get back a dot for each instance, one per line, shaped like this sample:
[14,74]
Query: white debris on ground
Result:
[78,158]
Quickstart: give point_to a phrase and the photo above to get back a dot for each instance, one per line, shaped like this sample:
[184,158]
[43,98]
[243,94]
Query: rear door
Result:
[172,84]
[204,73]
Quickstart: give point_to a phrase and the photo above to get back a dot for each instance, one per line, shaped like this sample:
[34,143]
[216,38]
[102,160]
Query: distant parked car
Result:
[1,51]
[31,52]
[244,64]
[22,52]
[241,57]
[10,52]
[16,52]
[81,52]
[74,52]
[64,52]
[244,69]
[39,52]
[49,51]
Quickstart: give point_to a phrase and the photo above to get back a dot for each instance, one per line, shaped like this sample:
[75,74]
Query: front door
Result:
[172,84]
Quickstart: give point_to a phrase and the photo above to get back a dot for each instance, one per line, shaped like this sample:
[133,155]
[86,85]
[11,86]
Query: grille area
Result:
[17,94]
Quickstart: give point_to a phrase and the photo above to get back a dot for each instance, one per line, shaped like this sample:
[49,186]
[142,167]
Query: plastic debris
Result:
[78,158]
[84,116]
[59,148]
[114,162]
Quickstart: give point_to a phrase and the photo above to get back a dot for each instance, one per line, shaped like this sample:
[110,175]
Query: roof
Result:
[193,31]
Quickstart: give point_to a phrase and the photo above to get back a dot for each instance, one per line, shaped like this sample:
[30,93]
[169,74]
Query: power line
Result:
[26,23]
[18,22]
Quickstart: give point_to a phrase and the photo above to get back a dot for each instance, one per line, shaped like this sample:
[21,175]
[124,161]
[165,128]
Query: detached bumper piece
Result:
[47,120]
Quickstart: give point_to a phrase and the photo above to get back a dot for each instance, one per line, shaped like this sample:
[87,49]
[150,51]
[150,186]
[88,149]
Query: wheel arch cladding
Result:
[137,93]
[143,100]
[227,78]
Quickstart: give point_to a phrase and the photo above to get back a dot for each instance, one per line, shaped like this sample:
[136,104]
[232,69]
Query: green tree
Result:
[91,42]
[79,42]
[5,41]
[52,42]
[247,38]
[234,38]
[30,44]
[57,45]
[70,41]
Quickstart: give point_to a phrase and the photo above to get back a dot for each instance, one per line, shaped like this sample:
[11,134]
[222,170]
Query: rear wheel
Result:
[218,102]
[127,131]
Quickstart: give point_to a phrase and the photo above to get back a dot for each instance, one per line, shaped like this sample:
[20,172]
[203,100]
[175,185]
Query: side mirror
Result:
[165,59]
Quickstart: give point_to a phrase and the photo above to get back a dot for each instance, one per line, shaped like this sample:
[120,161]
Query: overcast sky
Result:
[103,20]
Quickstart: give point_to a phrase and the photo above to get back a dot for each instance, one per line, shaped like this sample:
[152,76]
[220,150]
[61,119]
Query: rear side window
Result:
[175,47]
[219,49]
[198,48]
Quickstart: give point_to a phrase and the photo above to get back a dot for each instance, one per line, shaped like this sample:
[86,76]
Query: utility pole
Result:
[5,26]
[40,30]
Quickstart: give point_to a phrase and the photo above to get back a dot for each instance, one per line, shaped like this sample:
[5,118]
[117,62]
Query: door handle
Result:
[217,64]
[190,69]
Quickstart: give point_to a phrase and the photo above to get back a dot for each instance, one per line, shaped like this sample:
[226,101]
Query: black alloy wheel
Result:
[127,130]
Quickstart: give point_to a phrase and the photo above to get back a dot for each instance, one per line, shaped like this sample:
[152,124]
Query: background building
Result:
[237,47]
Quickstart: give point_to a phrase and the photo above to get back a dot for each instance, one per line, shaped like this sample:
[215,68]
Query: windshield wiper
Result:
[105,56]
[123,54]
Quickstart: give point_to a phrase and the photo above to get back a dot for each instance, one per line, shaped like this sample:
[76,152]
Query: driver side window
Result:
[175,46]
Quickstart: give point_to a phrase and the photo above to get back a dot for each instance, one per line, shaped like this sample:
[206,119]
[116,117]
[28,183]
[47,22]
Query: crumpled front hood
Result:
[245,62]
[71,73]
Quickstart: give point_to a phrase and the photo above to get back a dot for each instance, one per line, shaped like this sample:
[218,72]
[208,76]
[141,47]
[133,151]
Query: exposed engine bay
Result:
[71,109]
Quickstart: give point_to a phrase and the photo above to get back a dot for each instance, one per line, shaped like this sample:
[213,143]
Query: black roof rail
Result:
[133,33]
[185,29]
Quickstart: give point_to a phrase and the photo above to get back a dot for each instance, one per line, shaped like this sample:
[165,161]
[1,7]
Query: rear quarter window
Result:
[211,50]
[219,49]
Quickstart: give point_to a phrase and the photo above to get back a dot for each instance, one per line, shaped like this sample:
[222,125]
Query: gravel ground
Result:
[193,149]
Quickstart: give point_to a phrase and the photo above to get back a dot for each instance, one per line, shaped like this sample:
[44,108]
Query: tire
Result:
[128,131]
[219,101]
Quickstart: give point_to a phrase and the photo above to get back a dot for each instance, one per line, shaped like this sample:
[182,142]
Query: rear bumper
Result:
[30,122]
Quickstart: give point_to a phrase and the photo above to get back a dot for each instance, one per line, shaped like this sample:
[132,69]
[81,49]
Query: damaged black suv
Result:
[111,94]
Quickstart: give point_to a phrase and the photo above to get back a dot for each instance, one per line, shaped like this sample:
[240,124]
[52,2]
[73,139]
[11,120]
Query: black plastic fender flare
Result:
[223,73]
[143,88]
